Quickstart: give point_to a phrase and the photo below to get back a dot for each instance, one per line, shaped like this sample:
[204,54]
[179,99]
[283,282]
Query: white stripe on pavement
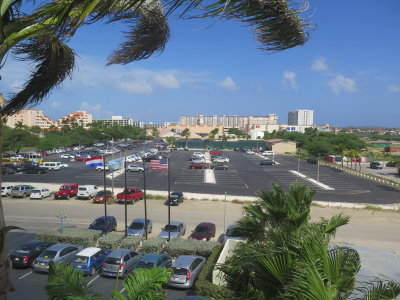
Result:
[93,279]
[209,176]
[25,275]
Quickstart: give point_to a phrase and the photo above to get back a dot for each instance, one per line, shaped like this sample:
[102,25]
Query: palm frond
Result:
[380,290]
[54,62]
[145,284]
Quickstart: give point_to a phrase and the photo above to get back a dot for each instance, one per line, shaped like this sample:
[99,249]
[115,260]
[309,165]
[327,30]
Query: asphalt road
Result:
[243,178]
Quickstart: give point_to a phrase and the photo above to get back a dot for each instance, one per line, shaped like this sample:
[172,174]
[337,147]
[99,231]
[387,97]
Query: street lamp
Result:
[298,161]
[318,168]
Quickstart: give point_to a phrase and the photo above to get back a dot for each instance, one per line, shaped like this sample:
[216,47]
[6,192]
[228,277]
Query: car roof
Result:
[141,220]
[70,184]
[152,257]
[86,185]
[119,253]
[175,223]
[89,251]
[184,261]
[102,218]
[205,224]
[58,247]
[176,193]
[33,243]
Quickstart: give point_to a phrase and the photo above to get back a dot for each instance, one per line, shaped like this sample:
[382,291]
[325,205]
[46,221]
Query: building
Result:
[281,146]
[30,117]
[198,120]
[303,117]
[116,120]
[80,117]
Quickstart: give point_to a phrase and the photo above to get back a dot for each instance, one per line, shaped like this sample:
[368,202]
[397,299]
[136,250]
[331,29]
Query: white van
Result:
[51,165]
[87,191]
[268,153]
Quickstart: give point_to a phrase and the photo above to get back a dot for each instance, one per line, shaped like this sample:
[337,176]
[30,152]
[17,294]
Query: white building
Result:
[117,120]
[302,117]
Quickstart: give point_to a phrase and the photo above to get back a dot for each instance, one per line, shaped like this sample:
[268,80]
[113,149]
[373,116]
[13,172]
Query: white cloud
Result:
[93,109]
[319,64]
[228,83]
[341,84]
[167,80]
[289,80]
[54,104]
[394,89]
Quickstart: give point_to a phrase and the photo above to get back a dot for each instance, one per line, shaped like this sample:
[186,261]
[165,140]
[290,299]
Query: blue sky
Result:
[348,72]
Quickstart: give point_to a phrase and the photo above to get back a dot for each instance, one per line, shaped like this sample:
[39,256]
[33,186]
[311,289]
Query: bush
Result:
[155,244]
[76,236]
[203,284]
[110,241]
[131,242]
[180,246]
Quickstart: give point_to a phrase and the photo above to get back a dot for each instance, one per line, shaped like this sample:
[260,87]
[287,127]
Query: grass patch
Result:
[373,207]
[155,197]
[236,201]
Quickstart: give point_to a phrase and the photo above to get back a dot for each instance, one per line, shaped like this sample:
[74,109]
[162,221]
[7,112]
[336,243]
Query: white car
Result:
[268,153]
[64,165]
[87,191]
[17,157]
[40,193]
[250,152]
[221,159]
[6,190]
[134,168]
[102,168]
[67,156]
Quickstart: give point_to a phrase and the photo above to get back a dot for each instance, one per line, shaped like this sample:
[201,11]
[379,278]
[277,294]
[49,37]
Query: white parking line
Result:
[209,176]
[123,290]
[25,275]
[93,279]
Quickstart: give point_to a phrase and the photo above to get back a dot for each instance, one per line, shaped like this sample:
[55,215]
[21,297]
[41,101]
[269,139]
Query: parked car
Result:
[175,198]
[220,159]
[6,190]
[58,253]
[134,168]
[230,235]
[35,170]
[268,153]
[80,158]
[219,166]
[89,260]
[176,229]
[375,165]
[17,168]
[105,226]
[102,196]
[7,170]
[87,191]
[198,166]
[130,195]
[66,156]
[67,191]
[40,193]
[22,190]
[151,260]
[137,227]
[120,262]
[204,231]
[267,161]
[215,152]
[51,165]
[26,253]
[312,161]
[102,168]
[185,270]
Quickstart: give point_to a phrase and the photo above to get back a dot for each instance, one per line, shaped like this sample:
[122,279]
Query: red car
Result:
[66,191]
[198,166]
[215,152]
[131,194]
[44,153]
[203,232]
[80,158]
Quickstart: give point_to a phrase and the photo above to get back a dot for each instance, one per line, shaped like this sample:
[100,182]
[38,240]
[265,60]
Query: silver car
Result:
[22,190]
[58,253]
[185,270]
[134,168]
[120,262]
[175,228]
[137,227]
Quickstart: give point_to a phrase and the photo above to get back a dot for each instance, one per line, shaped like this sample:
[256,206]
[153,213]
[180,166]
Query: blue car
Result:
[109,225]
[89,260]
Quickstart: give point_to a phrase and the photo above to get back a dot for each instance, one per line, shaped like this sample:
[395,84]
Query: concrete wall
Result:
[226,252]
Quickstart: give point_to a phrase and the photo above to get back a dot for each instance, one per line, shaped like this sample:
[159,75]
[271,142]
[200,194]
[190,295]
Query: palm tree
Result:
[39,36]
[186,133]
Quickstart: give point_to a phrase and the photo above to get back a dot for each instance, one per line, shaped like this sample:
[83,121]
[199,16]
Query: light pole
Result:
[298,161]
[61,216]
[318,168]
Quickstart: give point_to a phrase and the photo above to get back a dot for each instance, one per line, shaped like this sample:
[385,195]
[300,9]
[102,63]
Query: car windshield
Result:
[81,259]
[98,223]
[16,188]
[82,189]
[174,196]
[65,187]
[201,230]
[229,232]
[35,191]
[145,264]
[136,225]
[23,249]
[172,228]
[48,254]
[179,271]
[112,260]
[101,193]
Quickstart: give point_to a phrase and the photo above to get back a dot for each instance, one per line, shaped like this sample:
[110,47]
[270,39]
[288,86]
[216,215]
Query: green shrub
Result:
[181,246]
[154,244]
[110,241]
[131,242]
[203,284]
[76,236]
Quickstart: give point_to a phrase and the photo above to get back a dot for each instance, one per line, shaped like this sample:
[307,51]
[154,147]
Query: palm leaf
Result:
[3,234]
[381,290]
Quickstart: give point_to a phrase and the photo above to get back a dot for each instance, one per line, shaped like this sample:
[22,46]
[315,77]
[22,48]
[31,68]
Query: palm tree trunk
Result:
[5,263]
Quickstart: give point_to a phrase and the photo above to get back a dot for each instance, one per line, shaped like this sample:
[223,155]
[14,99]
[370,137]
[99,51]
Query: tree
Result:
[155,132]
[213,133]
[38,35]
[185,133]
[170,140]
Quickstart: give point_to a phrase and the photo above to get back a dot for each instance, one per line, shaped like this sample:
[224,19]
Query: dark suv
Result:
[108,226]
[375,165]
[174,198]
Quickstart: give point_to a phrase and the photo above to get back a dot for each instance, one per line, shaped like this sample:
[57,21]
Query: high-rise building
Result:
[81,117]
[304,117]
[30,117]
[116,120]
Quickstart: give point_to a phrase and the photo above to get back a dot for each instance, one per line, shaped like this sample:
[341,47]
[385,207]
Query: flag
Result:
[94,161]
[116,164]
[159,164]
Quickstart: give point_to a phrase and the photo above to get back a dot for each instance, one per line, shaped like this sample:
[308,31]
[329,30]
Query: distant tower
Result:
[303,117]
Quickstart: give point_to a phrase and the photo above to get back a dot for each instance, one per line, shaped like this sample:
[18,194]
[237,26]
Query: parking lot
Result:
[244,177]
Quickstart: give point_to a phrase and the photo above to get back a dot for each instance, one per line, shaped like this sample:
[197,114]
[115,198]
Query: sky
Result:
[348,72]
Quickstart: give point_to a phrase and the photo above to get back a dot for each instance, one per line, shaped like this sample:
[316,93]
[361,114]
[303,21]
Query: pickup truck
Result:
[130,194]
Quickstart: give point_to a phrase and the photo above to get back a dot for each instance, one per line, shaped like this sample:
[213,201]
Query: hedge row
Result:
[180,246]
[76,236]
[204,284]
[110,241]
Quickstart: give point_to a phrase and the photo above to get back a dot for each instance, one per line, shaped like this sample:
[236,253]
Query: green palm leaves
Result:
[288,257]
